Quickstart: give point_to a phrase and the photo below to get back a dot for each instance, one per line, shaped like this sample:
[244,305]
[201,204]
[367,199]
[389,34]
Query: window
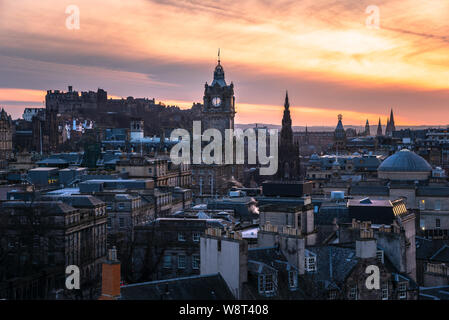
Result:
[332,295]
[310,264]
[121,206]
[403,290]
[380,256]
[385,292]
[266,284]
[292,279]
[196,236]
[195,261]
[437,204]
[167,261]
[437,223]
[422,224]
[122,222]
[181,261]
[181,237]
[422,204]
[109,222]
[353,293]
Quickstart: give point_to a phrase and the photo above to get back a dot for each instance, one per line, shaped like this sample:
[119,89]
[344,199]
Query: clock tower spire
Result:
[218,102]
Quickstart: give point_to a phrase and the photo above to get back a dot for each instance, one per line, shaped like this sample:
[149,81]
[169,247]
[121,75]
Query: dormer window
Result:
[267,283]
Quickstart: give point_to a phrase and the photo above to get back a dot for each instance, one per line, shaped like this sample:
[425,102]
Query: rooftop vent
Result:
[366,201]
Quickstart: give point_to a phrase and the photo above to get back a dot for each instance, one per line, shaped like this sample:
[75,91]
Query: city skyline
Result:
[321,52]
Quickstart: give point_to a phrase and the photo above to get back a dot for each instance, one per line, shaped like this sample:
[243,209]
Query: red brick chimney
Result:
[110,283]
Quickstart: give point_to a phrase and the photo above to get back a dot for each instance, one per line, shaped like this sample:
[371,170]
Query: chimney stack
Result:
[110,282]
[366,244]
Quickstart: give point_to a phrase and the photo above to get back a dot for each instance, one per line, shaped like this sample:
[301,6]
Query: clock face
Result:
[216,101]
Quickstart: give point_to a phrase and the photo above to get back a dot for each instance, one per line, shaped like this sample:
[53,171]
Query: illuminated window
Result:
[422,204]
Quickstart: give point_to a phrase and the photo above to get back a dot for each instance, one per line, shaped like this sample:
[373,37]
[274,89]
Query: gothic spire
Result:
[392,126]
[286,103]
[286,131]
[379,128]
[367,128]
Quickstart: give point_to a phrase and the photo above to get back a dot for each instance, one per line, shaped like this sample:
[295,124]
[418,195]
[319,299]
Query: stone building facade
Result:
[6,134]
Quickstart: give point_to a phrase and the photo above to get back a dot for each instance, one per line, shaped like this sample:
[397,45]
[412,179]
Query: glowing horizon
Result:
[321,51]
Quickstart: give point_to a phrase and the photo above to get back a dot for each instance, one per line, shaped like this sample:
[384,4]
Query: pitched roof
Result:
[204,287]
[333,263]
[427,249]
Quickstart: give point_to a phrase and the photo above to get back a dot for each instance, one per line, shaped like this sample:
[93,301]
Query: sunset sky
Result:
[321,51]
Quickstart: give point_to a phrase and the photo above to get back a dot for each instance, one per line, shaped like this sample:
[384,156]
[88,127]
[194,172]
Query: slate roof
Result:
[434,293]
[266,255]
[369,190]
[334,264]
[442,255]
[329,212]
[427,249]
[82,200]
[205,287]
[52,206]
[433,191]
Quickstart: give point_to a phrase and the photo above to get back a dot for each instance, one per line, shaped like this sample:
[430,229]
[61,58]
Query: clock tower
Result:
[218,103]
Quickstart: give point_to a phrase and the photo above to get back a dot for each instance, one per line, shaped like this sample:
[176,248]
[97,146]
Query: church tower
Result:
[288,167]
[392,126]
[367,129]
[379,129]
[218,110]
[340,134]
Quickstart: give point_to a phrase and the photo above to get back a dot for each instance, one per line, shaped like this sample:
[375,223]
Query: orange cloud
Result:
[326,40]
